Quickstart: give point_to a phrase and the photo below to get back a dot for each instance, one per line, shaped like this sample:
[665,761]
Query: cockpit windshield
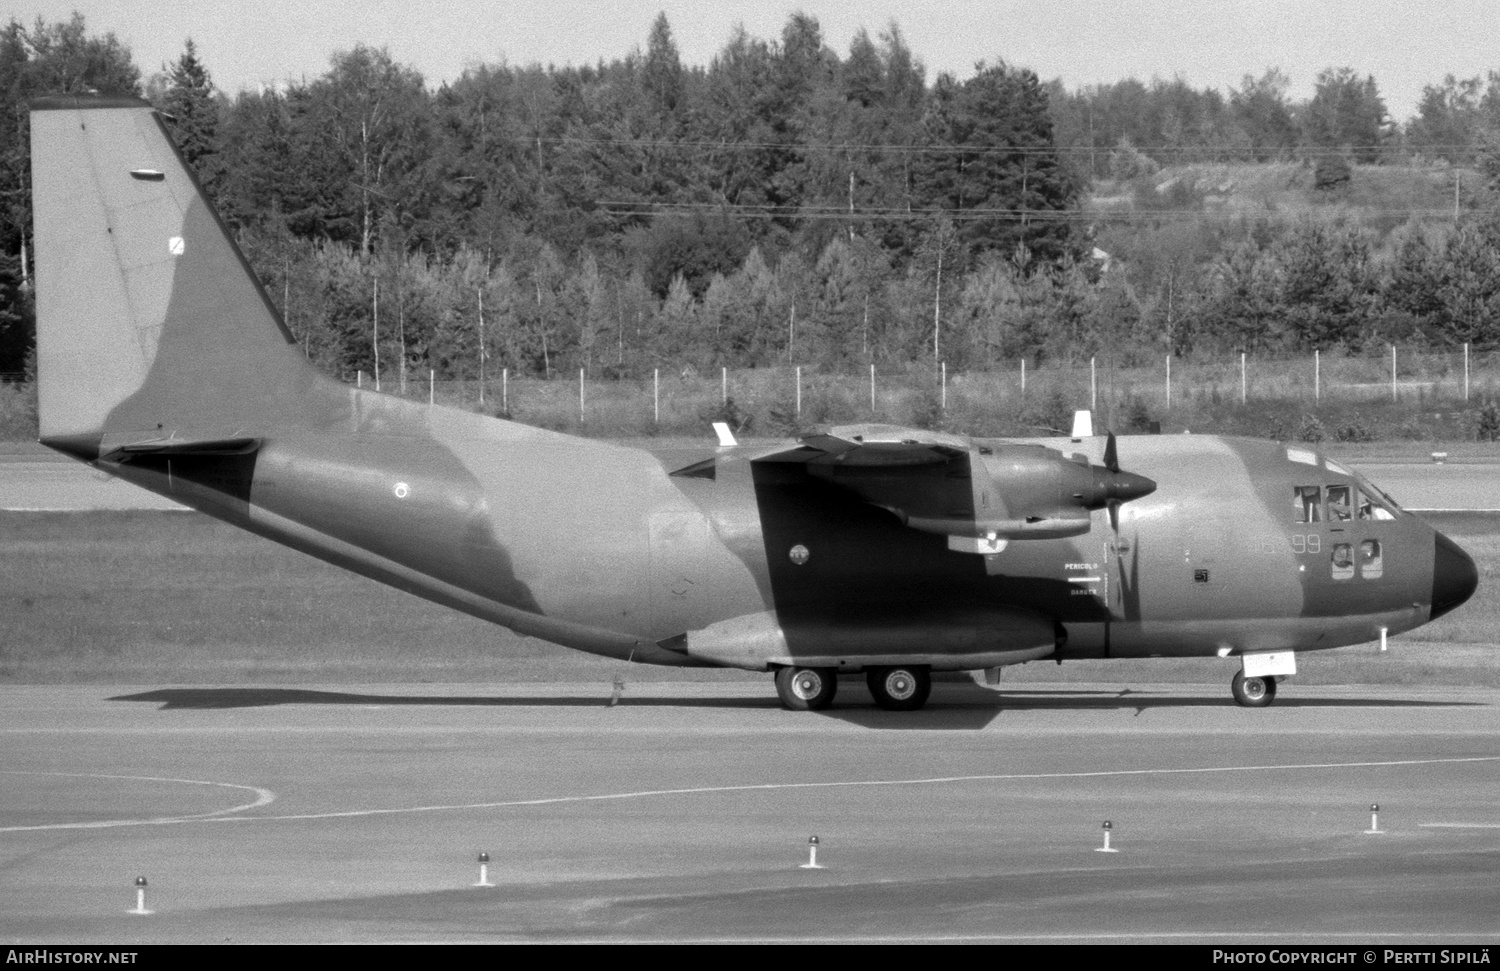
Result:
[1364,501]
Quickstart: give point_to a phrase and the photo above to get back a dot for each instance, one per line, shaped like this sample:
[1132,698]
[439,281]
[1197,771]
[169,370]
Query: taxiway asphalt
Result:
[683,813]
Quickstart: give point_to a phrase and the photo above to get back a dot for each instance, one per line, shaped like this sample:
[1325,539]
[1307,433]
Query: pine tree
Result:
[192,110]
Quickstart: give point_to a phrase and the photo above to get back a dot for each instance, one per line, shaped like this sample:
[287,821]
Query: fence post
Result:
[656,395]
[1169,382]
[944,381]
[1466,370]
[580,396]
[1243,383]
[431,386]
[799,390]
[723,385]
[1317,375]
[1093,388]
[1023,379]
[505,390]
[1393,372]
[872,389]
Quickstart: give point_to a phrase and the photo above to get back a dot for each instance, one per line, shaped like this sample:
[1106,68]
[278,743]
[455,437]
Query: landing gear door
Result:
[1269,664]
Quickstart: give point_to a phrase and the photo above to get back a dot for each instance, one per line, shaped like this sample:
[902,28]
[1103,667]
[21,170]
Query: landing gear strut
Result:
[806,689]
[900,688]
[1253,692]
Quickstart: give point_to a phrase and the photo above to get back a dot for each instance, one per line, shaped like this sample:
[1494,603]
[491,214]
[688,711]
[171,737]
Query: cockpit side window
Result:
[1371,508]
[1371,562]
[1338,503]
[1307,504]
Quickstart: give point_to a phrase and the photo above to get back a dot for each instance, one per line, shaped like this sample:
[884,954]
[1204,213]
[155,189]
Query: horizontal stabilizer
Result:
[179,446]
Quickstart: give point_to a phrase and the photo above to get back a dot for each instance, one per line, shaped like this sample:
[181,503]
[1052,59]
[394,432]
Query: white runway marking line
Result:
[263,797]
[773,786]
[1459,825]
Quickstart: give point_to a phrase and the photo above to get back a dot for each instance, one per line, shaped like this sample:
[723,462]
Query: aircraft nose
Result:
[1454,576]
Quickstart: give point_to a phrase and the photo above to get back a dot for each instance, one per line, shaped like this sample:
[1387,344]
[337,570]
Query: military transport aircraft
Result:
[870,549]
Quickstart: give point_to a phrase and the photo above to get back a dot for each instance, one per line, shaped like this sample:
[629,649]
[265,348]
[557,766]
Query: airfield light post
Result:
[1374,829]
[812,855]
[484,871]
[1106,848]
[1383,631]
[140,897]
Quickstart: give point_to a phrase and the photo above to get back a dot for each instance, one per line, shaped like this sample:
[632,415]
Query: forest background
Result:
[791,207]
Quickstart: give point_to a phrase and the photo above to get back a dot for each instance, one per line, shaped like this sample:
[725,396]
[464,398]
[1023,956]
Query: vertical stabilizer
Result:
[150,325]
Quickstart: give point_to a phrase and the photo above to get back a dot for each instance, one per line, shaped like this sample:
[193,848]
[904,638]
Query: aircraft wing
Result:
[968,491]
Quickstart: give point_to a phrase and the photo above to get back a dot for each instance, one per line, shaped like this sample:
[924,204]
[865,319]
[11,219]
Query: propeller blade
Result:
[1114,516]
[1111,455]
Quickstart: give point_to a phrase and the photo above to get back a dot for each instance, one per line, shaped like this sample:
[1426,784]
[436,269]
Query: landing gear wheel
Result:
[806,689]
[1252,692]
[900,688]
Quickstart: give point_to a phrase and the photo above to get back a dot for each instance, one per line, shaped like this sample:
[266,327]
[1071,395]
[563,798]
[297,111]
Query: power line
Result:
[1223,153]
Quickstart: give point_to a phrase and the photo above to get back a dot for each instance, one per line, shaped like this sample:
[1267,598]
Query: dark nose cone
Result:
[1454,577]
[1125,486]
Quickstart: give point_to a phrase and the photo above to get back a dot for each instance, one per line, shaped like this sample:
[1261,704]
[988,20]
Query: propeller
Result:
[1121,487]
[1124,486]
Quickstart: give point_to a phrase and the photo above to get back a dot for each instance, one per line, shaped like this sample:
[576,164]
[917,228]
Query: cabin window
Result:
[1307,504]
[1343,561]
[1370,508]
[1338,504]
[1371,565]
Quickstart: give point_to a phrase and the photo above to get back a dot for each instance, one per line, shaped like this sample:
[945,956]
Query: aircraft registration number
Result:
[1301,543]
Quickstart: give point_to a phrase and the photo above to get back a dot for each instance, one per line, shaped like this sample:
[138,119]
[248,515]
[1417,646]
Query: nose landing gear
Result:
[1253,692]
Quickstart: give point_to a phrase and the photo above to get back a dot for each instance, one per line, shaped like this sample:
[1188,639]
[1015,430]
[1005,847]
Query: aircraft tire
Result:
[1252,692]
[806,689]
[900,688]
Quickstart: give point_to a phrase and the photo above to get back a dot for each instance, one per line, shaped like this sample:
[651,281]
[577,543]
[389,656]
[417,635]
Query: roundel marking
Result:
[402,490]
[798,554]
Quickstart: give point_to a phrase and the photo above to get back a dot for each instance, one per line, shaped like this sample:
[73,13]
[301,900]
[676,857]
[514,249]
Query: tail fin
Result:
[150,324]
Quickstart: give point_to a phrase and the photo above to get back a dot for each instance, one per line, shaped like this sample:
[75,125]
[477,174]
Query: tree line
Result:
[785,203]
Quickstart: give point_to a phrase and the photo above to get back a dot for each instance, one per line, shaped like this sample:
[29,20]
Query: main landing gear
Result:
[900,688]
[1253,692]
[806,689]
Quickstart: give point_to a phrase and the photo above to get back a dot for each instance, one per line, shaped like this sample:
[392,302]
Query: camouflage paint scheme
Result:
[162,361]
